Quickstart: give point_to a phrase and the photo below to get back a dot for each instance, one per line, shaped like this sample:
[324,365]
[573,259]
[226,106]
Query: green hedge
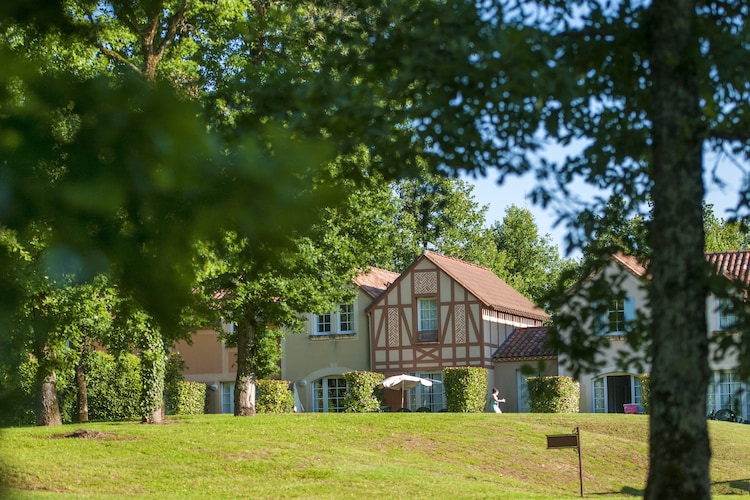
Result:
[554,394]
[113,386]
[466,389]
[645,392]
[189,398]
[361,394]
[273,396]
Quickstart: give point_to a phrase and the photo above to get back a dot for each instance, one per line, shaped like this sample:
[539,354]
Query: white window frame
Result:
[328,395]
[623,311]
[432,397]
[346,318]
[524,406]
[726,318]
[227,397]
[340,321]
[599,396]
[427,305]
[726,390]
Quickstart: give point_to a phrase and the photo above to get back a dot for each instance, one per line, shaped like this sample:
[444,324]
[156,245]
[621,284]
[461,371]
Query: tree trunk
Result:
[82,399]
[153,367]
[244,387]
[48,410]
[679,446]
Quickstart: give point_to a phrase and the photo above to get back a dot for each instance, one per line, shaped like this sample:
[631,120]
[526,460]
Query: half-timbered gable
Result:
[444,312]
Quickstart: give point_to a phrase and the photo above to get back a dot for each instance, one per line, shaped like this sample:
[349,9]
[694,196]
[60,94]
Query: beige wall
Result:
[208,361]
[608,356]
[633,287]
[507,377]
[307,357]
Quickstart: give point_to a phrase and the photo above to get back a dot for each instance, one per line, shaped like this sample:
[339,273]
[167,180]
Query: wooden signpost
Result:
[568,441]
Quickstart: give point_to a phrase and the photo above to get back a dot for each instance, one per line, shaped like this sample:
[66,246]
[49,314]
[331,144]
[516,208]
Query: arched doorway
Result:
[613,391]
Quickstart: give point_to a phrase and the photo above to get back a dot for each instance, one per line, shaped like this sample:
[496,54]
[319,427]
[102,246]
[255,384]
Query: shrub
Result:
[274,396]
[114,386]
[466,389]
[645,392]
[188,398]
[172,379]
[17,394]
[554,394]
[361,392]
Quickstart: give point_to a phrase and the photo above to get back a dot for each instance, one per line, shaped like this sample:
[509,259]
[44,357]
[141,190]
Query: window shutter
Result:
[629,307]
[601,321]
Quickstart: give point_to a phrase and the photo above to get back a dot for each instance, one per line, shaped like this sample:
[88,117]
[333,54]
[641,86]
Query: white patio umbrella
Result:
[405,381]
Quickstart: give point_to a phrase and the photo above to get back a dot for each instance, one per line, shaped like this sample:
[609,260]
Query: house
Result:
[334,343]
[440,312]
[609,388]
[443,312]
[523,354]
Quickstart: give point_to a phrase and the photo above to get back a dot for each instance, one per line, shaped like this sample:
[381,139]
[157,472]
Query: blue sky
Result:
[515,191]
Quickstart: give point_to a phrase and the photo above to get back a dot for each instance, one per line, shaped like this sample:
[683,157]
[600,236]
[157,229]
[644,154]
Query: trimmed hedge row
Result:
[273,396]
[465,389]
[554,394]
[362,393]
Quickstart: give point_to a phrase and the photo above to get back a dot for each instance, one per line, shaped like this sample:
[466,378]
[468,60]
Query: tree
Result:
[439,213]
[528,262]
[723,235]
[645,88]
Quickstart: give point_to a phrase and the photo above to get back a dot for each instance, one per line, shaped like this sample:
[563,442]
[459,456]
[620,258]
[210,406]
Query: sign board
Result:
[562,441]
[568,441]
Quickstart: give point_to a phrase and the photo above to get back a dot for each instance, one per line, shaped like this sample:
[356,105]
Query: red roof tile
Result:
[374,281]
[487,287]
[733,264]
[525,344]
[631,263]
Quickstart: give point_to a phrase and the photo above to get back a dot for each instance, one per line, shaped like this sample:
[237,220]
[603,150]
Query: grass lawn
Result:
[385,455]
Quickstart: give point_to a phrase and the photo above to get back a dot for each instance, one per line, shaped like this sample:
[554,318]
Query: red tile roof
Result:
[733,264]
[525,344]
[631,263]
[374,281]
[487,287]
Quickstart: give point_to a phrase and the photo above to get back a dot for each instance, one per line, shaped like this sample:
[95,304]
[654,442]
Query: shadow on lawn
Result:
[733,485]
[727,487]
[626,490]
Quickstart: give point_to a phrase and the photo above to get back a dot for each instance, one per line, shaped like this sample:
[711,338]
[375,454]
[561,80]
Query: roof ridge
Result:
[460,261]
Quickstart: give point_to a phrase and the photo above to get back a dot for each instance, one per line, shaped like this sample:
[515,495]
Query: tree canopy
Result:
[646,87]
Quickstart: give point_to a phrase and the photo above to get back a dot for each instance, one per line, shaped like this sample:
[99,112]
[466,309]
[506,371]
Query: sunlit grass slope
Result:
[387,455]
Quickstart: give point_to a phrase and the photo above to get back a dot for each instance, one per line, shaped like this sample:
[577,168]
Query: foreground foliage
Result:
[362,455]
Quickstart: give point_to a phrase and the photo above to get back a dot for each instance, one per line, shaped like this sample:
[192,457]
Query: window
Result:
[323,324]
[329,394]
[726,390]
[620,313]
[613,391]
[523,392]
[599,398]
[432,398]
[335,322]
[227,397]
[346,318]
[727,318]
[427,316]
